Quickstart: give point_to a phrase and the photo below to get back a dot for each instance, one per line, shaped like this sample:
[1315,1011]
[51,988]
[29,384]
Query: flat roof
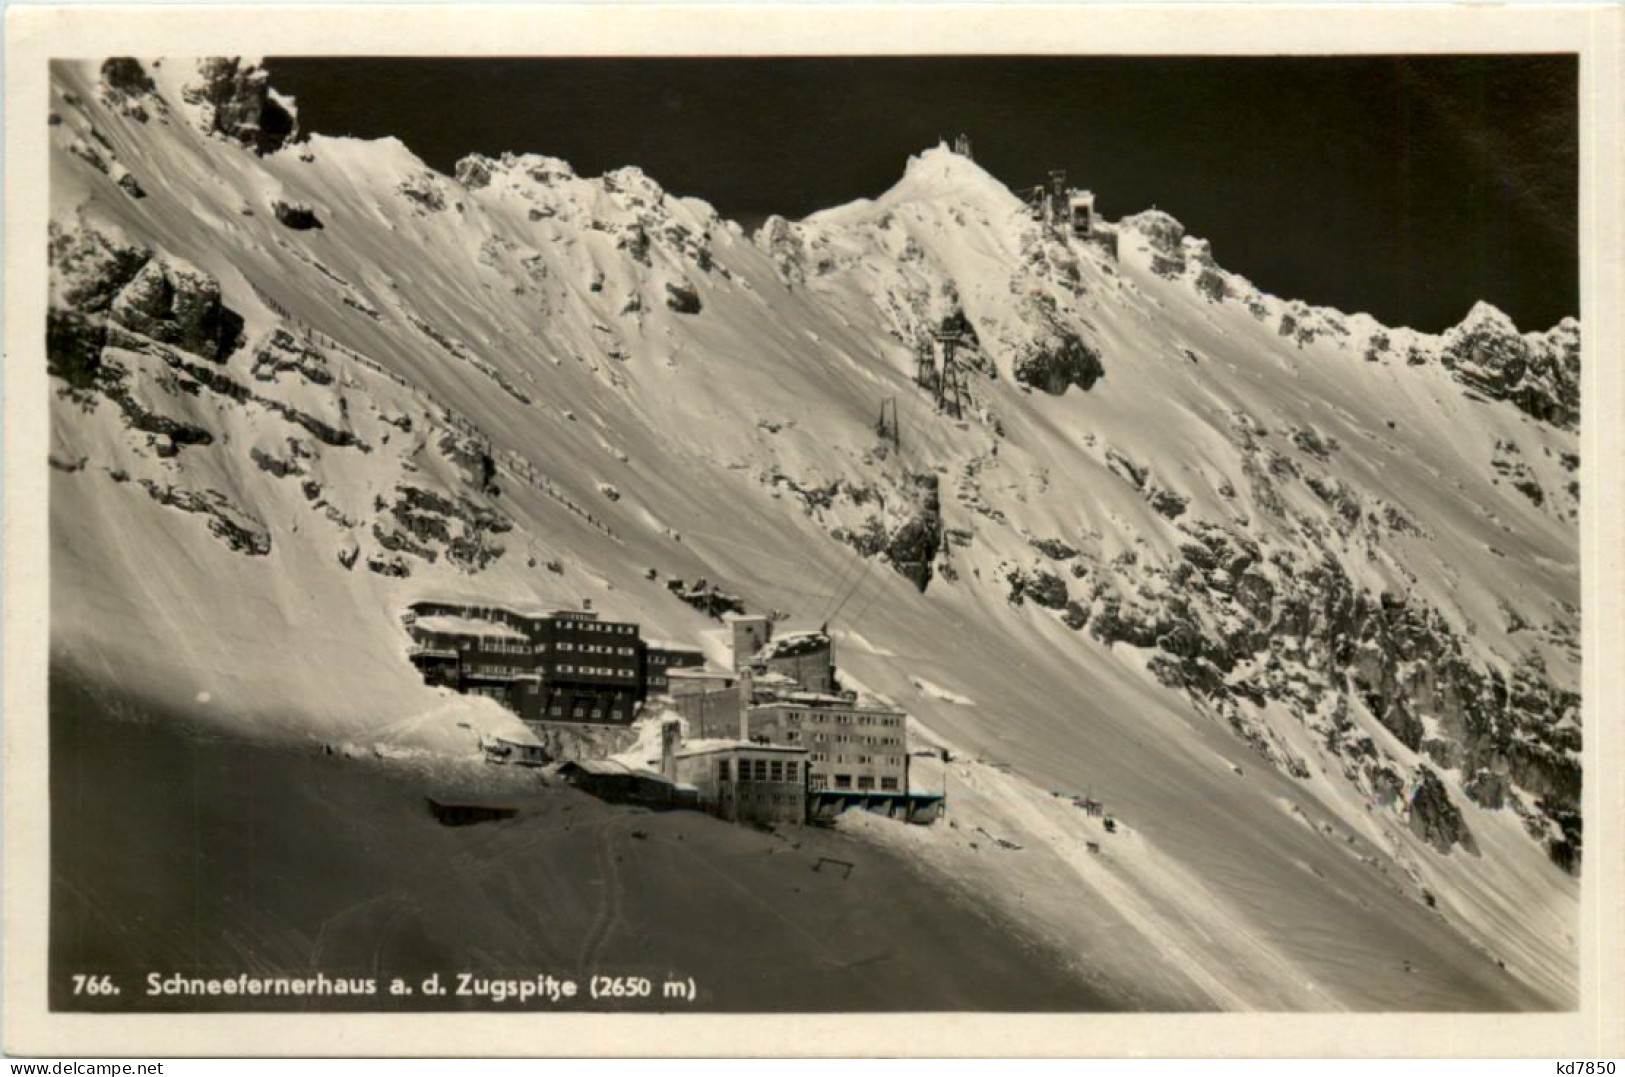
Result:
[713,747]
[820,701]
[450,625]
[613,767]
[668,645]
[520,609]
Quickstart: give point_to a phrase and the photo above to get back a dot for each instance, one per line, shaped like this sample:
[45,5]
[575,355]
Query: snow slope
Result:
[1294,593]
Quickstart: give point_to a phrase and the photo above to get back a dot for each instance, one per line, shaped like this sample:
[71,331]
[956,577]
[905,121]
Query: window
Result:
[597,712]
[724,770]
[888,783]
[556,711]
[866,781]
[843,781]
[761,770]
[776,771]
[579,711]
[815,781]
[790,771]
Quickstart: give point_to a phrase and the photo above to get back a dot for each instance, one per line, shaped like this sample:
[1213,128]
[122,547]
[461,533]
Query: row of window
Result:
[498,646]
[844,781]
[760,770]
[843,738]
[484,669]
[883,760]
[597,671]
[841,718]
[582,712]
[600,626]
[593,648]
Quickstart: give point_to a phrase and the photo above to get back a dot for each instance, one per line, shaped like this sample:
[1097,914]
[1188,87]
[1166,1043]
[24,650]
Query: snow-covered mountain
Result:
[1294,592]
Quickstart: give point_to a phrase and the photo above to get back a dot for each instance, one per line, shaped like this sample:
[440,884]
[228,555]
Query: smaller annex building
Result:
[614,781]
[747,783]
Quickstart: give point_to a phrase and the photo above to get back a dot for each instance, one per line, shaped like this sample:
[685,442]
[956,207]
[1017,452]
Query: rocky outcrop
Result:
[1236,628]
[1053,548]
[282,352]
[178,305]
[235,100]
[913,547]
[1055,364]
[1166,237]
[299,217]
[239,529]
[786,247]
[1042,587]
[98,282]
[682,299]
[423,189]
[474,172]
[1539,374]
[127,87]
[1435,818]
[428,525]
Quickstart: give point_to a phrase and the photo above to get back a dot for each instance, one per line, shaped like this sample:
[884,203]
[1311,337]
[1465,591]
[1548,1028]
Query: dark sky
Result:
[1405,187]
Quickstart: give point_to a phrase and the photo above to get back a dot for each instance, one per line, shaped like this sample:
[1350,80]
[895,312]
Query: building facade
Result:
[550,666]
[807,658]
[747,783]
[849,746]
[660,658]
[750,634]
[709,701]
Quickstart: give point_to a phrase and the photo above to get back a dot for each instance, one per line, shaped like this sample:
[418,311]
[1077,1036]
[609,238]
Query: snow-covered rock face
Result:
[235,99]
[1183,529]
[1539,373]
[127,87]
